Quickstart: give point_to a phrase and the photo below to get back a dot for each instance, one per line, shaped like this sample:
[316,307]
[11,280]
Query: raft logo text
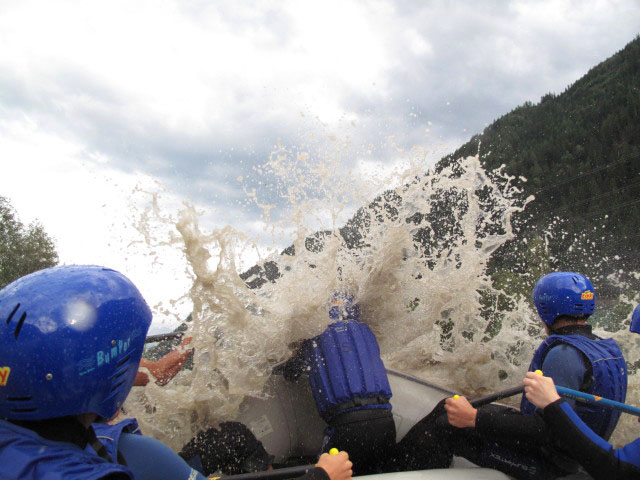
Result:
[4,375]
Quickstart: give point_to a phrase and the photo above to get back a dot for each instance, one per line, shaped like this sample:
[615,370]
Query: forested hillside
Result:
[580,154]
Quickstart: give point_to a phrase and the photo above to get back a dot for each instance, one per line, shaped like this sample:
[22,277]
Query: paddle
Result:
[562,391]
[163,336]
[487,399]
[595,400]
[277,474]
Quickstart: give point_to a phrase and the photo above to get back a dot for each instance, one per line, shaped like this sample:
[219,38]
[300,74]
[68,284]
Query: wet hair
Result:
[571,319]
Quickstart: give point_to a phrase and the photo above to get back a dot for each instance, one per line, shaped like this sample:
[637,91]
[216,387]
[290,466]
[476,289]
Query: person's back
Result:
[350,386]
[346,372]
[597,457]
[596,367]
[28,452]
[517,442]
[572,355]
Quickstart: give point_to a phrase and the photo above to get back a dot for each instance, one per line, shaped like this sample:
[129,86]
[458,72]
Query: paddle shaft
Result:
[487,399]
[604,402]
[276,474]
[163,336]
[563,392]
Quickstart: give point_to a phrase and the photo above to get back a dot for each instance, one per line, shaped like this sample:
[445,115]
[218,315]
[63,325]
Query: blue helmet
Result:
[71,339]
[342,307]
[635,321]
[563,293]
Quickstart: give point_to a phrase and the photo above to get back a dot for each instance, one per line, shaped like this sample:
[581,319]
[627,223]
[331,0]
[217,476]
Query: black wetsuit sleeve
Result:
[495,421]
[317,473]
[296,365]
[597,456]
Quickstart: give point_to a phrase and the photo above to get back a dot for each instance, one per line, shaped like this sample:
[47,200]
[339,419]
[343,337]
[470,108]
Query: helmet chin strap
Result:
[97,446]
[101,449]
[86,419]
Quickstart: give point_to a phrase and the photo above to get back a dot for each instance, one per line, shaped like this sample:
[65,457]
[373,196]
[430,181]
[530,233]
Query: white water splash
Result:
[422,285]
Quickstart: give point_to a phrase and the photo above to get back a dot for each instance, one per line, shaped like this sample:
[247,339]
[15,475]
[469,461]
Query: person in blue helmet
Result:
[518,442]
[599,458]
[634,327]
[71,339]
[349,385]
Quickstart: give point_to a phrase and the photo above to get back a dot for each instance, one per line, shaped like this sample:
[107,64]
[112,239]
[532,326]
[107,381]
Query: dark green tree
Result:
[22,249]
[580,154]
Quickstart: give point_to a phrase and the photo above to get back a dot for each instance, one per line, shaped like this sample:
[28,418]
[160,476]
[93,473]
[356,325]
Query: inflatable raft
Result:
[288,425]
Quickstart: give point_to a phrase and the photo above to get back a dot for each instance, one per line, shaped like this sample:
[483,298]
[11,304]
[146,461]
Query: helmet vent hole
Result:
[12,313]
[23,410]
[19,399]
[120,373]
[123,361]
[117,386]
[19,326]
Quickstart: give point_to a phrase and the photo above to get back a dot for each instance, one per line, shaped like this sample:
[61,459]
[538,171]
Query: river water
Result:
[419,272]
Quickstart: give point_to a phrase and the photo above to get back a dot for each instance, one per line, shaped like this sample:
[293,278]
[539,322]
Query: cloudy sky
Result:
[188,96]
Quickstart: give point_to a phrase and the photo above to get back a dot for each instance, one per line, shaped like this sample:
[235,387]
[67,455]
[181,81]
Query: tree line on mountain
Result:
[580,154]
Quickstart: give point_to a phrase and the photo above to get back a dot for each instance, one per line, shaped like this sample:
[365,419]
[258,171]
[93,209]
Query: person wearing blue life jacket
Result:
[518,442]
[71,339]
[634,326]
[349,385]
[599,458]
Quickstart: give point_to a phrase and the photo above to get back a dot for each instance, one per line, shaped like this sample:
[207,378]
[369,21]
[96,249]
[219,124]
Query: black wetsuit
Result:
[597,457]
[231,449]
[503,438]
[351,391]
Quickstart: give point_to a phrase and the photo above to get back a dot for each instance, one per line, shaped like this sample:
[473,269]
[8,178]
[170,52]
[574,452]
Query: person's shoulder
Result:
[563,347]
[564,354]
[566,365]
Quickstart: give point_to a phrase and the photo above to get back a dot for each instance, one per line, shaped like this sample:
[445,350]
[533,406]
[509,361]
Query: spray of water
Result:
[415,259]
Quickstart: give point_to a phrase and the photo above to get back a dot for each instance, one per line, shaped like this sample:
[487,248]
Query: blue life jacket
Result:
[345,370]
[609,378]
[25,455]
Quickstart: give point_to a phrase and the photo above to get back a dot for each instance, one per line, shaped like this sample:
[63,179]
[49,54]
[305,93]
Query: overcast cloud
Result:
[196,93]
